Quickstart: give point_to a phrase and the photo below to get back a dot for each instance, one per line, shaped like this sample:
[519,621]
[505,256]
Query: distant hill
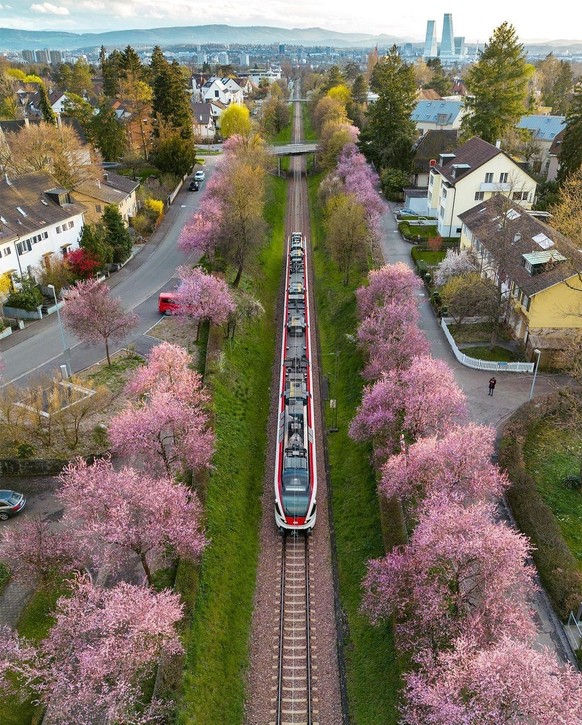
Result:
[16,40]
[11,39]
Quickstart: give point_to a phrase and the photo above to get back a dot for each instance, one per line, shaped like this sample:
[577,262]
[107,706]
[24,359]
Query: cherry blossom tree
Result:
[164,433]
[420,400]
[202,297]
[201,232]
[395,283]
[41,552]
[103,644]
[94,316]
[455,264]
[359,179]
[120,515]
[458,465]
[461,572]
[391,337]
[506,683]
[168,371]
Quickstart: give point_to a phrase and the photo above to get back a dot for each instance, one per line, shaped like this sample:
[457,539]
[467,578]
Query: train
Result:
[295,458]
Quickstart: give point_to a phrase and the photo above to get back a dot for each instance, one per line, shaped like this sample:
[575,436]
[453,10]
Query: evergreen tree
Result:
[561,91]
[157,62]
[110,69]
[498,87]
[130,63]
[48,114]
[116,233]
[174,154]
[93,241]
[171,102]
[360,90]
[82,78]
[571,148]
[107,132]
[389,133]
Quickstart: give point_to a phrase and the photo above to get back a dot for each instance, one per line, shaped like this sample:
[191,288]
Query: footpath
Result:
[511,392]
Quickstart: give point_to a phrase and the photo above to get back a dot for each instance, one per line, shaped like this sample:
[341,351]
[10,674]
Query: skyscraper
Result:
[447,48]
[430,44]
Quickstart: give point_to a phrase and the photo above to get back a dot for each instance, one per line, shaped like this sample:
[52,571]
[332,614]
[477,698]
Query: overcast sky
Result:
[560,20]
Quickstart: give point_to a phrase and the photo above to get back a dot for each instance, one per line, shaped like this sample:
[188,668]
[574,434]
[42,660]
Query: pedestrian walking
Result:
[492,383]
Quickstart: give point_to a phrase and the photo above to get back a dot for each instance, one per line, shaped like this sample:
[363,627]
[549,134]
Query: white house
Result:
[225,90]
[38,220]
[438,115]
[472,173]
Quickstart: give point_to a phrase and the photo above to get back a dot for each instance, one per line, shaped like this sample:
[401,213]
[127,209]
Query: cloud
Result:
[50,9]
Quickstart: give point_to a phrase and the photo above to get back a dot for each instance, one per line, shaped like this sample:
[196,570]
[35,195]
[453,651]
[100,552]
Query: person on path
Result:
[492,383]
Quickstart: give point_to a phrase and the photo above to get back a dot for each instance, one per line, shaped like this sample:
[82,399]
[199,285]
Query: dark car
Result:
[11,502]
[194,186]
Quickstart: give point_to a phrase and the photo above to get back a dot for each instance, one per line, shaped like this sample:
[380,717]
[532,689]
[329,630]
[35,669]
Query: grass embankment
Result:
[283,137]
[217,641]
[308,130]
[550,458]
[371,669]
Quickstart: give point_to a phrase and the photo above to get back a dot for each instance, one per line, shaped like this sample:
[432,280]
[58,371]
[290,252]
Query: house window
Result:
[519,195]
[59,230]
[488,178]
[444,193]
[7,251]
[23,247]
[45,235]
[479,195]
[216,94]
[70,225]
[526,301]
[66,248]
[98,208]
[441,212]
[503,178]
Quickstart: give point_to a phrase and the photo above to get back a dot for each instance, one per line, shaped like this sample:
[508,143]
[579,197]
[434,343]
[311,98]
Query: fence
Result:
[471,362]
[573,631]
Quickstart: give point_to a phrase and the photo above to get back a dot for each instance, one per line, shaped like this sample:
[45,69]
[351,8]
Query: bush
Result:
[4,575]
[555,562]
[24,450]
[26,297]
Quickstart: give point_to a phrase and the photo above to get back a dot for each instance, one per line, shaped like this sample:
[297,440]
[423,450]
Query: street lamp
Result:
[65,349]
[533,382]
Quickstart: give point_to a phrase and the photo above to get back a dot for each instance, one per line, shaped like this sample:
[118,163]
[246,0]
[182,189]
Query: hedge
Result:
[557,566]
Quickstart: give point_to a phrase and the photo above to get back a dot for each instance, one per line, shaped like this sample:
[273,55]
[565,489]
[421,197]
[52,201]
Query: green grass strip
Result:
[308,130]
[217,643]
[371,670]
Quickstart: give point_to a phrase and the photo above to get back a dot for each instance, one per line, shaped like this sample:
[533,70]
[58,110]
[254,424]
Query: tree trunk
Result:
[146,568]
[238,276]
[107,351]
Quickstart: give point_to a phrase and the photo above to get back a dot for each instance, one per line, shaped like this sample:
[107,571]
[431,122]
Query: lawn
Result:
[283,137]
[549,461]
[475,333]
[431,258]
[498,354]
[217,641]
[371,671]
[308,130]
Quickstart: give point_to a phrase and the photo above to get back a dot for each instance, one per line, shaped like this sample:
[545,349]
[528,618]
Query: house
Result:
[111,189]
[427,94]
[216,110]
[225,90]
[203,122]
[57,100]
[427,150]
[437,115]
[540,268]
[554,157]
[544,130]
[38,219]
[472,173]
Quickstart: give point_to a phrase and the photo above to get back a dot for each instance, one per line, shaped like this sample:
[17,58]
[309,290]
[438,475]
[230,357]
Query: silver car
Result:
[11,502]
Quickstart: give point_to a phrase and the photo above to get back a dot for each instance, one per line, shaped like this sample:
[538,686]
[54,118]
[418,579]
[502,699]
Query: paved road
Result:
[512,391]
[39,347]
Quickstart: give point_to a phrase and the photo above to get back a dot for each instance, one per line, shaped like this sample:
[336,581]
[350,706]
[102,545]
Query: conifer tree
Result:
[498,87]
[48,114]
[571,149]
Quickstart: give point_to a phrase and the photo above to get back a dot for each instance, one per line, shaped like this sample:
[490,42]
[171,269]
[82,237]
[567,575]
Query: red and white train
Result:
[295,461]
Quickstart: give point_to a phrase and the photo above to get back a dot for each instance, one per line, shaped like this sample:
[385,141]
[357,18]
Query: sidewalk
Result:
[511,392]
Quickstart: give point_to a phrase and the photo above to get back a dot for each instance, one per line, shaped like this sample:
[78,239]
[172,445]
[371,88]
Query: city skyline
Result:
[80,16]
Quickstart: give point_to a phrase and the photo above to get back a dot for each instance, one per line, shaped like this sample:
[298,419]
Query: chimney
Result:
[105,176]
[98,184]
[498,143]
[7,180]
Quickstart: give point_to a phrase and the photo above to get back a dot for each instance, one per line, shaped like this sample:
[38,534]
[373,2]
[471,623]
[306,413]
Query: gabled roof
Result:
[427,94]
[505,227]
[472,154]
[556,144]
[544,128]
[118,181]
[112,189]
[202,113]
[25,206]
[430,145]
[441,112]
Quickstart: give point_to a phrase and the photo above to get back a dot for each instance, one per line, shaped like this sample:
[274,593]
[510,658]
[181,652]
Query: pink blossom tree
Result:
[507,682]
[455,264]
[164,433]
[461,572]
[359,179]
[395,283]
[201,232]
[458,466]
[95,317]
[203,297]
[420,400]
[168,371]
[391,338]
[120,515]
[103,644]
[41,552]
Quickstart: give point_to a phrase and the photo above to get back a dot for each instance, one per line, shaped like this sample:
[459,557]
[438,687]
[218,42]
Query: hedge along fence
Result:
[557,566]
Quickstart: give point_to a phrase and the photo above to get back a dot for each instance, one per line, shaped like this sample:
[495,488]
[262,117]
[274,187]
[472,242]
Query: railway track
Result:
[295,701]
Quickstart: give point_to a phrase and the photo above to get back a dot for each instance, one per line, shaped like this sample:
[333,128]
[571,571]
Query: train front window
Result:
[295,491]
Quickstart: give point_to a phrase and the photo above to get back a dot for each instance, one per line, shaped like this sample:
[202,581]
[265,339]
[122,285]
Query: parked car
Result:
[405,211]
[200,175]
[194,186]
[167,303]
[11,502]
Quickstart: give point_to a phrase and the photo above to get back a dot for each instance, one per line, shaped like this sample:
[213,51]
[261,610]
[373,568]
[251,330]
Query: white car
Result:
[199,175]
